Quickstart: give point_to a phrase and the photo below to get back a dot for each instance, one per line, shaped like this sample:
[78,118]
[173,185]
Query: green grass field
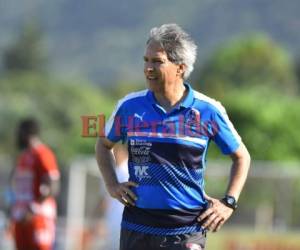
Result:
[245,239]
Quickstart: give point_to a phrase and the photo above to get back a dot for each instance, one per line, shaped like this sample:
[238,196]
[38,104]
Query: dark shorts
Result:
[131,240]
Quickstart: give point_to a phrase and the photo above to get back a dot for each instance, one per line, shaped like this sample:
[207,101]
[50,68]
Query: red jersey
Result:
[33,165]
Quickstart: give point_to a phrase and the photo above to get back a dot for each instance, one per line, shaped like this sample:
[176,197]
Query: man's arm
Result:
[48,187]
[48,171]
[218,213]
[106,163]
[239,171]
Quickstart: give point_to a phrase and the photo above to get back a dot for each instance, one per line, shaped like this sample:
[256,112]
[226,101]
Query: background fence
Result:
[268,216]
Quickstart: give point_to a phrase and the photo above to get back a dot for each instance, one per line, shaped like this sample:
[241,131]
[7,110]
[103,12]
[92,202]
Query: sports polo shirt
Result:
[167,152]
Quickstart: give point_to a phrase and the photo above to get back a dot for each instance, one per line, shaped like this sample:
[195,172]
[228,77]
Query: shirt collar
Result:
[187,102]
[189,99]
[151,98]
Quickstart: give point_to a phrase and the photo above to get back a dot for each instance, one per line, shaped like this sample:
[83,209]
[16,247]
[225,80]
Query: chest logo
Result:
[140,117]
[141,172]
[192,117]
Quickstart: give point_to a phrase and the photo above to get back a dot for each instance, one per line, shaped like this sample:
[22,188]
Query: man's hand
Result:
[49,187]
[216,215]
[28,215]
[123,193]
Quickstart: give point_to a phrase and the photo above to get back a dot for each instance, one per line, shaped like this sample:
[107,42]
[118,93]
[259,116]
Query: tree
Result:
[247,63]
[267,122]
[27,53]
[57,105]
[297,68]
[256,81]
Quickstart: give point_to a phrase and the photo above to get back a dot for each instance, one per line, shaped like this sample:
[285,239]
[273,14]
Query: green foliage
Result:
[27,53]
[267,121]
[256,82]
[297,70]
[57,105]
[101,39]
[249,62]
[122,88]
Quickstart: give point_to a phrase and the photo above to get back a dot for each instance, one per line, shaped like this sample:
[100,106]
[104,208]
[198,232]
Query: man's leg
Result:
[193,241]
[131,240]
[43,232]
[23,235]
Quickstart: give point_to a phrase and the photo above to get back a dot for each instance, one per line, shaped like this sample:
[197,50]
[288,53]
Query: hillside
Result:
[104,40]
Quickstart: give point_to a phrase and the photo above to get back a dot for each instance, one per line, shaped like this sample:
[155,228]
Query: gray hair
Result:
[179,46]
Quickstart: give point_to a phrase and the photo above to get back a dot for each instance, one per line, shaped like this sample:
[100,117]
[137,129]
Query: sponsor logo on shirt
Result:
[140,151]
[141,172]
[140,117]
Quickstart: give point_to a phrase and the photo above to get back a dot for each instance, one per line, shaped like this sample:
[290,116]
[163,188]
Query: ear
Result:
[181,69]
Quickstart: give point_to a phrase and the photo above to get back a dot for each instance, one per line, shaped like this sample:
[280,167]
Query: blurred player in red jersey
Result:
[35,182]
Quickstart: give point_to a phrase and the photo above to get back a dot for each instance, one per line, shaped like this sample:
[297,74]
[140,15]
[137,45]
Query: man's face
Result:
[158,69]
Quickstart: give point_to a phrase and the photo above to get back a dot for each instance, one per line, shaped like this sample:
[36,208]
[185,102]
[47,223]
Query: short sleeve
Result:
[47,163]
[114,128]
[226,137]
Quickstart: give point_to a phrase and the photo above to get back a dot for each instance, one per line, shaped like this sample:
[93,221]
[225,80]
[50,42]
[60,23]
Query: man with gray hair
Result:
[168,128]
